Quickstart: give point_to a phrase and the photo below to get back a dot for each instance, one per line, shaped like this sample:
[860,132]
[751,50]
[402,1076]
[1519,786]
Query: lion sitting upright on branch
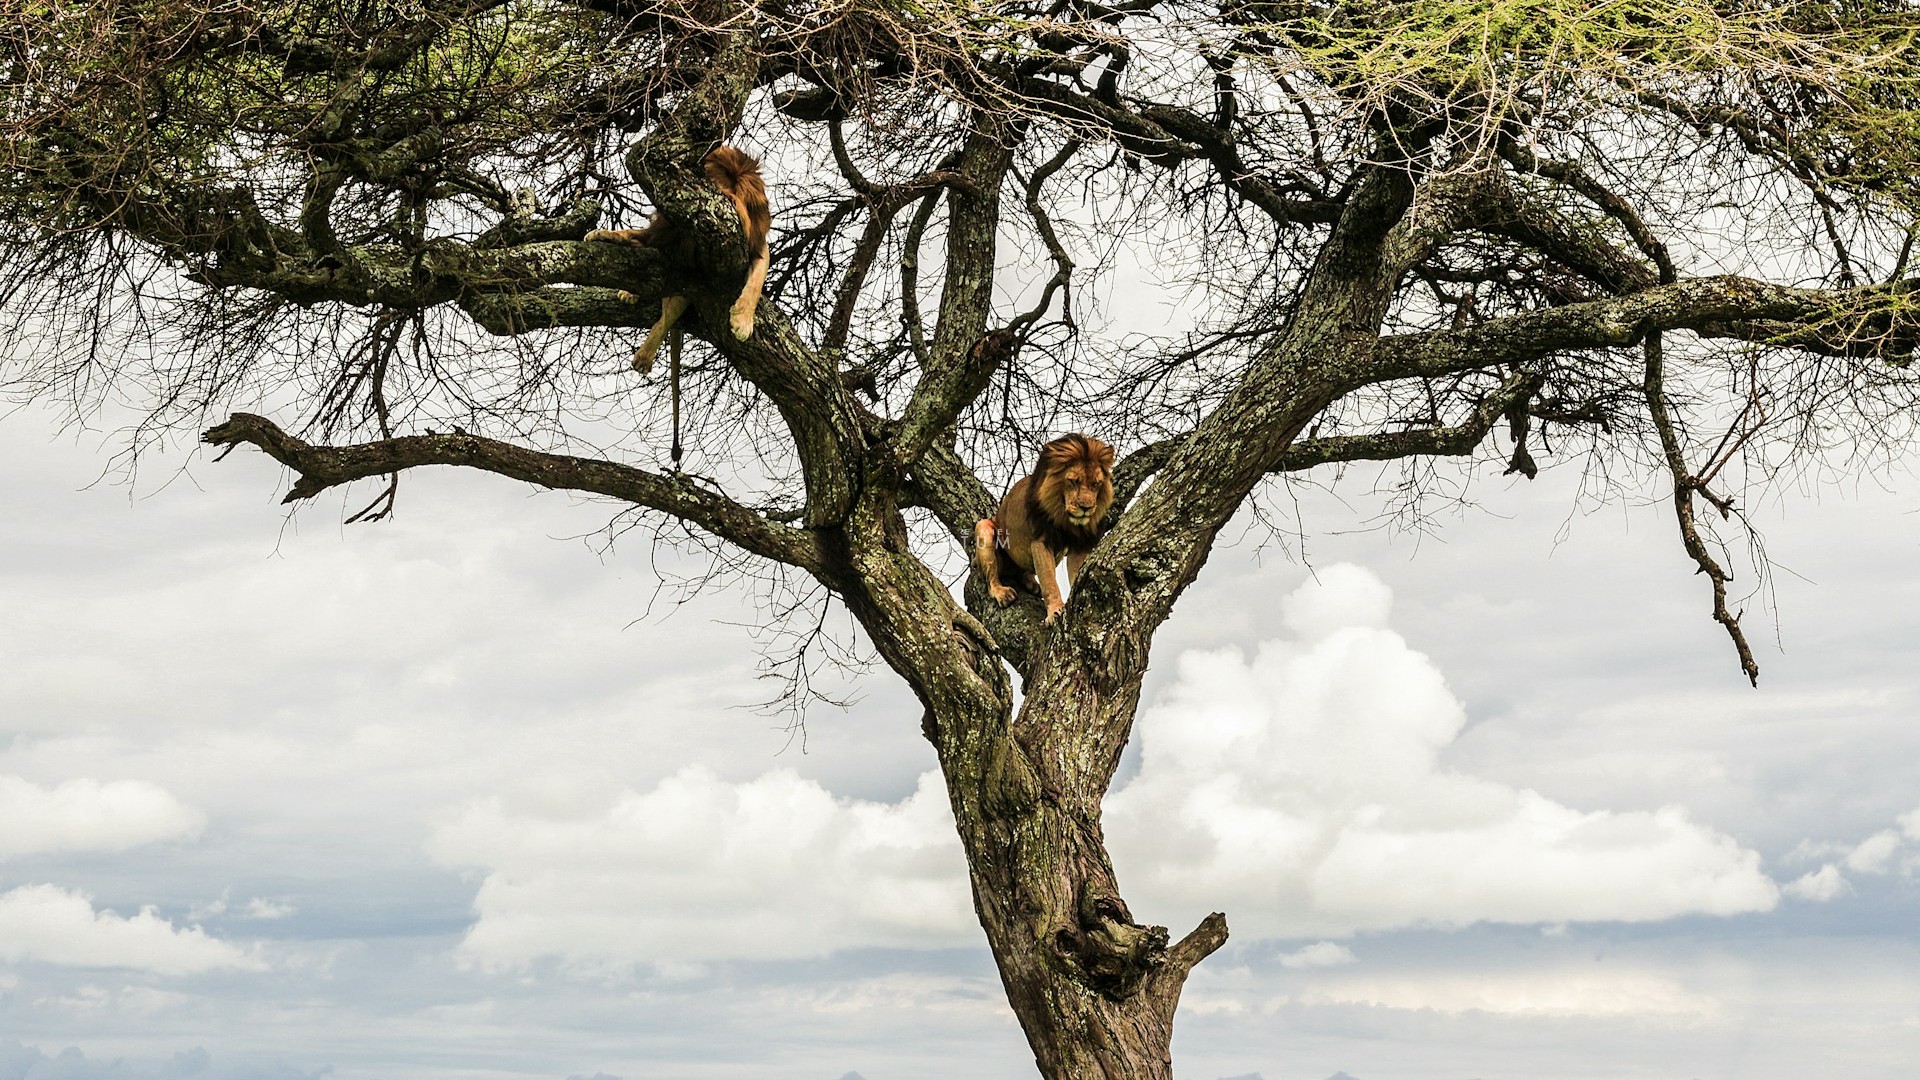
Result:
[1058,510]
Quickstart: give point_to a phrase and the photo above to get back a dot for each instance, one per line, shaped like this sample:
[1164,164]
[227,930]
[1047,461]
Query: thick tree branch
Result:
[943,484]
[323,467]
[508,313]
[963,355]
[1838,320]
[525,225]
[442,271]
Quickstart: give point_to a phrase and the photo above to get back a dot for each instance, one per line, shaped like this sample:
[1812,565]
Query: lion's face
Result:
[1076,480]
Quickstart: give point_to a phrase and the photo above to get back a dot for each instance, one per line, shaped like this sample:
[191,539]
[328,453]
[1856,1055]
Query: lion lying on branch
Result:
[737,175]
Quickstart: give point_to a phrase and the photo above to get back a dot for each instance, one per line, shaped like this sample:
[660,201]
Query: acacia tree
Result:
[1389,229]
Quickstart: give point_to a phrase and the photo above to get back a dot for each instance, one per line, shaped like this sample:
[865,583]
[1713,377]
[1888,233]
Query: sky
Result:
[463,795]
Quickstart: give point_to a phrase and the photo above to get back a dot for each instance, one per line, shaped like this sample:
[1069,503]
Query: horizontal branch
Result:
[1451,441]
[523,226]
[507,313]
[442,271]
[1827,320]
[323,467]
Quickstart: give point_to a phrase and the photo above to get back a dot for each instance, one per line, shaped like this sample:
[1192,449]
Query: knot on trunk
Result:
[1012,788]
[1108,950]
[994,349]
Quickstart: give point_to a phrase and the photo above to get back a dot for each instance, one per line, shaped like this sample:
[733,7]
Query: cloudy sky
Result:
[459,796]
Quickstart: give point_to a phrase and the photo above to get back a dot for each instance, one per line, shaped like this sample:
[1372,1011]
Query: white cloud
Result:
[1871,855]
[1320,954]
[262,908]
[87,815]
[1546,993]
[1302,793]
[1826,883]
[48,924]
[701,869]
[1910,824]
[1810,851]
[1874,855]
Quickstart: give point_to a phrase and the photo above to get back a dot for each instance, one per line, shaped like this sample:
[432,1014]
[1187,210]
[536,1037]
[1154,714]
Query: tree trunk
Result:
[1094,990]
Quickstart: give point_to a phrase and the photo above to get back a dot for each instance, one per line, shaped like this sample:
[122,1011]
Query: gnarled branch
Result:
[1726,306]
[323,467]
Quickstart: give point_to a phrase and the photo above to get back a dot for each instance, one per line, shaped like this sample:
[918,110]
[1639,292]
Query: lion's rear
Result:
[737,173]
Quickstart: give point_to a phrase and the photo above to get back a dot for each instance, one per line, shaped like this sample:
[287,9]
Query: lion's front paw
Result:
[742,323]
[1001,594]
[1055,607]
[643,359]
[600,234]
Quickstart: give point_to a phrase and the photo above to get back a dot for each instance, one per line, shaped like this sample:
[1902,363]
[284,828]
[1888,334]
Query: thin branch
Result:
[852,283]
[1572,243]
[910,278]
[1043,225]
[1611,203]
[1169,136]
[1684,486]
[323,467]
[1450,441]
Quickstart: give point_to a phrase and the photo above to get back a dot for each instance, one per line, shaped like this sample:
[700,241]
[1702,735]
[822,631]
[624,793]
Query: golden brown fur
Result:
[1058,510]
[737,175]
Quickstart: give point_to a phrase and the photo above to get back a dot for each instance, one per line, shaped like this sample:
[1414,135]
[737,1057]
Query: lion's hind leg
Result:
[988,560]
[740,318]
[671,309]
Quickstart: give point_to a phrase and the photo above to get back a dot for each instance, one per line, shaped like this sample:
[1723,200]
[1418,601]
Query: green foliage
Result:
[109,103]
[1831,88]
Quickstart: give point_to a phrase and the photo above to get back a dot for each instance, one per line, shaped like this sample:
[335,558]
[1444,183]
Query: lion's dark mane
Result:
[1061,536]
